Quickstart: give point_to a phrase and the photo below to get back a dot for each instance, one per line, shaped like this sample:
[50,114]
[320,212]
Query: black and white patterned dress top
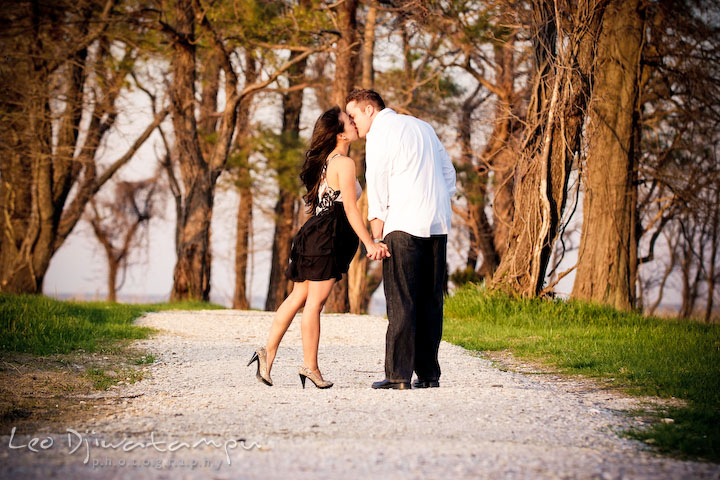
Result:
[327,195]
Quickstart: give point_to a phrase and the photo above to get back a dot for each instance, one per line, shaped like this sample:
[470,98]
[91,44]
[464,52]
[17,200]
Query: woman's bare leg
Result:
[317,294]
[283,318]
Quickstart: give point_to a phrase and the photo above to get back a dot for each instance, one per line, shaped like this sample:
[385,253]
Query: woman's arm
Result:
[345,168]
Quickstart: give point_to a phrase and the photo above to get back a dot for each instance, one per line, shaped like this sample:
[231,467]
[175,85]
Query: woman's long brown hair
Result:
[323,141]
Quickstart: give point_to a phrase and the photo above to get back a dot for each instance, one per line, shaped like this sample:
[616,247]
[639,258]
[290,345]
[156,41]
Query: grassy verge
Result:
[56,355]
[644,356]
[43,326]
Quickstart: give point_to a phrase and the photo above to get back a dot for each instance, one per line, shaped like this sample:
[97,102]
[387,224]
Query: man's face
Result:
[362,116]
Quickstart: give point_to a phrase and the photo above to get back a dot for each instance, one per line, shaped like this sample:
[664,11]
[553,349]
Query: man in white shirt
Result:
[410,181]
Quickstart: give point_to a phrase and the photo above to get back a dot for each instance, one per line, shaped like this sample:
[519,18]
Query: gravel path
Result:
[481,423]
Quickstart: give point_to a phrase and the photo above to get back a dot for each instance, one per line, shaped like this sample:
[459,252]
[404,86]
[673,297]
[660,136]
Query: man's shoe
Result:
[425,383]
[388,384]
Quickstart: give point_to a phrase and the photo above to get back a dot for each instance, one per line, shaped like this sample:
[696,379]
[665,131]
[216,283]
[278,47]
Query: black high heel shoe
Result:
[260,356]
[307,373]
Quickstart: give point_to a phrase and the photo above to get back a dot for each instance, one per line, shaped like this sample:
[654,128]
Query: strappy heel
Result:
[307,373]
[260,356]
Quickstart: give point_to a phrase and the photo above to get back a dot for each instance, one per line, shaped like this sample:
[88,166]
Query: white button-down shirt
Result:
[410,178]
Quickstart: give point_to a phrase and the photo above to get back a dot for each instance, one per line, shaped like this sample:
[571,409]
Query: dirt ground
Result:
[39,393]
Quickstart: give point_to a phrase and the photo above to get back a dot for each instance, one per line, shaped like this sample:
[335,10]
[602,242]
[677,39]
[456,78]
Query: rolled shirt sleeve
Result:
[448,170]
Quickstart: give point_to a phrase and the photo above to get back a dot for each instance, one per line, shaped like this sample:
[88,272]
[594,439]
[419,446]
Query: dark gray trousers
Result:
[413,279]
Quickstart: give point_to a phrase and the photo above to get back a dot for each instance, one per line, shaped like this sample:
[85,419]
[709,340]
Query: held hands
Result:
[377,251]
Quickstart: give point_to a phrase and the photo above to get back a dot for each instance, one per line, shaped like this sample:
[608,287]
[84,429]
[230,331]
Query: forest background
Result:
[163,140]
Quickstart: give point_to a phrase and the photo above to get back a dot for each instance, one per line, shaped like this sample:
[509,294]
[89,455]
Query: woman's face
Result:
[351,132]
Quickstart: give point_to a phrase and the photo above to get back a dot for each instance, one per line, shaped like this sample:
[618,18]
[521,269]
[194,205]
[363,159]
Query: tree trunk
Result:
[711,275]
[357,288]
[285,210]
[112,280]
[242,247]
[209,80]
[339,301]
[563,63]
[17,256]
[244,185]
[287,204]
[110,254]
[346,57]
[191,278]
[503,199]
[672,250]
[368,48]
[697,251]
[359,278]
[689,296]
[346,52]
[363,278]
[608,248]
[499,150]
[25,248]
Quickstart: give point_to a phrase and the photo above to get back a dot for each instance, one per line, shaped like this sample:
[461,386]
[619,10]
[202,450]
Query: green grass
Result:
[100,379]
[145,360]
[644,355]
[103,379]
[43,326]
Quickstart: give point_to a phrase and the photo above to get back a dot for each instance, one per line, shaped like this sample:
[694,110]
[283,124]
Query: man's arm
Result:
[376,227]
[376,174]
[448,170]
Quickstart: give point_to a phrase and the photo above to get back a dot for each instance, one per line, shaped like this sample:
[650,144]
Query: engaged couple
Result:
[410,181]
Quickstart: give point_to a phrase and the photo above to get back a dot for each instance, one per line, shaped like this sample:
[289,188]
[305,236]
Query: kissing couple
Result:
[410,182]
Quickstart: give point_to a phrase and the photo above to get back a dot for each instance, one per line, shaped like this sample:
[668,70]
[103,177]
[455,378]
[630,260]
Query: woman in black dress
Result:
[325,245]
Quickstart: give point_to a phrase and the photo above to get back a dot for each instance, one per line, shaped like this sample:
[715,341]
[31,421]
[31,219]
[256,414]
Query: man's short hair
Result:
[366,96]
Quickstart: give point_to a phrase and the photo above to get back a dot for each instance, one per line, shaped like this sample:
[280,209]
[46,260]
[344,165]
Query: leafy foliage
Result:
[284,153]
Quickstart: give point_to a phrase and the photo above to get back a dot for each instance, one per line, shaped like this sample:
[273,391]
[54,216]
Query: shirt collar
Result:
[382,113]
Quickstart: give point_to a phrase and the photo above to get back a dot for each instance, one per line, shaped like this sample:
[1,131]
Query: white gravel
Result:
[481,422]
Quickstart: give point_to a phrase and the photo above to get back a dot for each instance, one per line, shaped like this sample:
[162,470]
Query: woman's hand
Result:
[377,251]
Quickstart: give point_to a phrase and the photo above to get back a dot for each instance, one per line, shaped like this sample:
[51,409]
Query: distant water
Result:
[101,297]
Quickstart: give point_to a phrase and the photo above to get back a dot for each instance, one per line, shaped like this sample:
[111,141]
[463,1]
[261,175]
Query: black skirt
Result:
[323,248]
